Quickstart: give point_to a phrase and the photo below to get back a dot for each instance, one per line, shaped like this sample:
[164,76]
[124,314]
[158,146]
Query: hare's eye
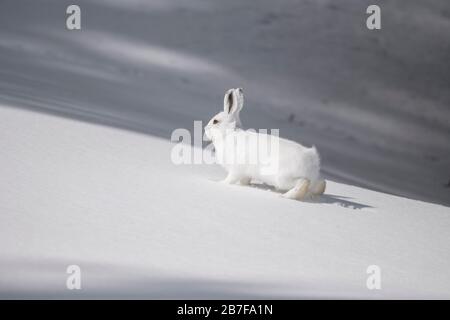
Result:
[215,121]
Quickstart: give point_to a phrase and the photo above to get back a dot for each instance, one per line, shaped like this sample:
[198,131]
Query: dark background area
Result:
[375,103]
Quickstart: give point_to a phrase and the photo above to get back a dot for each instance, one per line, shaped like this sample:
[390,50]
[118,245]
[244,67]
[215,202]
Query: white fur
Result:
[297,167]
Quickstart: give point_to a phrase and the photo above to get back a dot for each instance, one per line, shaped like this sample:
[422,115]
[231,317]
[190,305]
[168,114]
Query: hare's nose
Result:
[241,90]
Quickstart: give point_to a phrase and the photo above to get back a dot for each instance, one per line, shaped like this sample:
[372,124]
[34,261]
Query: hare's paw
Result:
[245,181]
[299,191]
[232,178]
[319,188]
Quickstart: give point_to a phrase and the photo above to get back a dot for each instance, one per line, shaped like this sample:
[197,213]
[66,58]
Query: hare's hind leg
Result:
[319,187]
[299,191]
[245,181]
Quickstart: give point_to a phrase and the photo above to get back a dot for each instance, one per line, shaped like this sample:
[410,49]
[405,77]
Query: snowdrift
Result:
[112,202]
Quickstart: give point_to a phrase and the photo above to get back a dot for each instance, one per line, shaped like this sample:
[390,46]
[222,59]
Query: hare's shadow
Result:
[341,201]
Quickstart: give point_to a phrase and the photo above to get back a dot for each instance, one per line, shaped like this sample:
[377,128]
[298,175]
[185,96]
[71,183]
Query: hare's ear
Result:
[240,99]
[230,103]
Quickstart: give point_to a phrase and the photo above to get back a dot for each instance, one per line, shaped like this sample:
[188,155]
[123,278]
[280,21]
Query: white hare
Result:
[288,166]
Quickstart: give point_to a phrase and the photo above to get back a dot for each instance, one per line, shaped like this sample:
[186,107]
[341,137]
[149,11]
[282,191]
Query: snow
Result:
[85,170]
[112,202]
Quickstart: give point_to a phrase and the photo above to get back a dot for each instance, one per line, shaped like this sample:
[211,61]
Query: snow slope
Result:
[112,202]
